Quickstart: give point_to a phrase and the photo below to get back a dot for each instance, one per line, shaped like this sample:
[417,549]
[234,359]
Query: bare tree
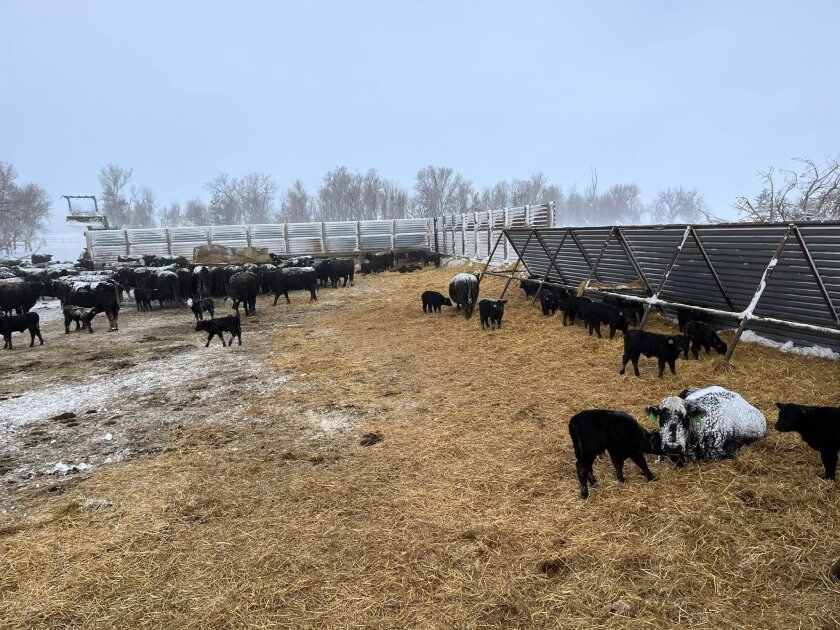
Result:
[255,194]
[297,205]
[674,205]
[438,190]
[393,201]
[170,216]
[812,193]
[143,212]
[224,206]
[23,211]
[112,180]
[340,195]
[197,213]
[622,203]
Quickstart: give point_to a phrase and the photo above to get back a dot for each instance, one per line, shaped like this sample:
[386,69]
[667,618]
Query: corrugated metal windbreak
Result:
[411,233]
[183,240]
[150,241]
[106,245]
[376,234]
[229,235]
[305,238]
[341,236]
[738,254]
[270,236]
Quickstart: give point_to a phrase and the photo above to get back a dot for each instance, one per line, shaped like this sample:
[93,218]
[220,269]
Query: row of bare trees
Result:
[807,192]
[345,195]
[813,192]
[24,211]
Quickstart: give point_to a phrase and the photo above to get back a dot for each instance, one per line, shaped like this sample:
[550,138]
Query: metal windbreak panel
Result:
[341,236]
[184,240]
[376,234]
[229,235]
[148,242]
[304,238]
[270,236]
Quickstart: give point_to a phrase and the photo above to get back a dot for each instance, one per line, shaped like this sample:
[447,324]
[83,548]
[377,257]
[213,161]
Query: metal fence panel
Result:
[713,266]
[271,236]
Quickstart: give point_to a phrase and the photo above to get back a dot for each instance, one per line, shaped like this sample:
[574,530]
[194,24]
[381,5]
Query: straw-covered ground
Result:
[466,513]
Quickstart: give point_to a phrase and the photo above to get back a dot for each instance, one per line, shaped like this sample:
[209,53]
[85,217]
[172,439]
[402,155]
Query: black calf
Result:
[552,299]
[598,430]
[818,426]
[199,307]
[218,326]
[575,307]
[490,312]
[666,348]
[82,316]
[595,314]
[701,334]
[432,300]
[18,323]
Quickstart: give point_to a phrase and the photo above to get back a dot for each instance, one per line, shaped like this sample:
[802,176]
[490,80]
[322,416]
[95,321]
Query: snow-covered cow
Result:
[706,424]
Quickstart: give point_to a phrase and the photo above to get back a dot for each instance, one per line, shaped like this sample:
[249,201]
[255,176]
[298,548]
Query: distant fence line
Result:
[465,235]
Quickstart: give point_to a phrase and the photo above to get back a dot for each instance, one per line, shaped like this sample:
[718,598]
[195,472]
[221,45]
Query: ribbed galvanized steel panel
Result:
[270,236]
[341,236]
[148,241]
[184,240]
[229,235]
[740,254]
[376,234]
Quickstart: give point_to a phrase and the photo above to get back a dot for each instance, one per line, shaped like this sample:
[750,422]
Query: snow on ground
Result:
[788,346]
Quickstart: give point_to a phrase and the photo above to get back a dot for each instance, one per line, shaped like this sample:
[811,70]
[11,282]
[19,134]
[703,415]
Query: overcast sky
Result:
[665,93]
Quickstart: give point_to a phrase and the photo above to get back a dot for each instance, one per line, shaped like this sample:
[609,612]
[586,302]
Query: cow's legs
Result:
[639,460]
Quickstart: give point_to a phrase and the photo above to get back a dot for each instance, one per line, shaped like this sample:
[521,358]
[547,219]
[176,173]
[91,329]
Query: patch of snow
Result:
[108,437]
[789,347]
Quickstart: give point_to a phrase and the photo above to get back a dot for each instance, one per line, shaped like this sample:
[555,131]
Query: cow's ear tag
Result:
[670,342]
[697,419]
[652,417]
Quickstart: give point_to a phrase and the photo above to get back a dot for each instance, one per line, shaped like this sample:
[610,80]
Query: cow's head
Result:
[446,302]
[718,344]
[676,417]
[789,416]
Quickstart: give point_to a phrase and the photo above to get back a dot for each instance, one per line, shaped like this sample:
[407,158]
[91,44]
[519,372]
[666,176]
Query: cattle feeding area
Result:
[235,488]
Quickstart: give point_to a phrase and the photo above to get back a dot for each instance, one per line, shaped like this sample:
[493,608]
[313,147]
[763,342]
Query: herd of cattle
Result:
[173,280]
[697,425]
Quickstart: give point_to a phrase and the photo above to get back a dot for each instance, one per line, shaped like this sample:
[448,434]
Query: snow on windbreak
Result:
[788,346]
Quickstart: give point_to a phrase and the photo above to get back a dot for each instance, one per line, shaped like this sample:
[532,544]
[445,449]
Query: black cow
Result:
[463,289]
[367,268]
[322,270]
[243,288]
[19,323]
[433,301]
[341,269]
[380,262]
[700,334]
[83,316]
[490,312]
[596,313]
[575,307]
[530,284]
[597,430]
[684,316]
[19,297]
[666,348]
[39,259]
[219,326]
[818,426]
[91,292]
[552,299]
[201,305]
[145,297]
[633,311]
[202,281]
[288,279]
